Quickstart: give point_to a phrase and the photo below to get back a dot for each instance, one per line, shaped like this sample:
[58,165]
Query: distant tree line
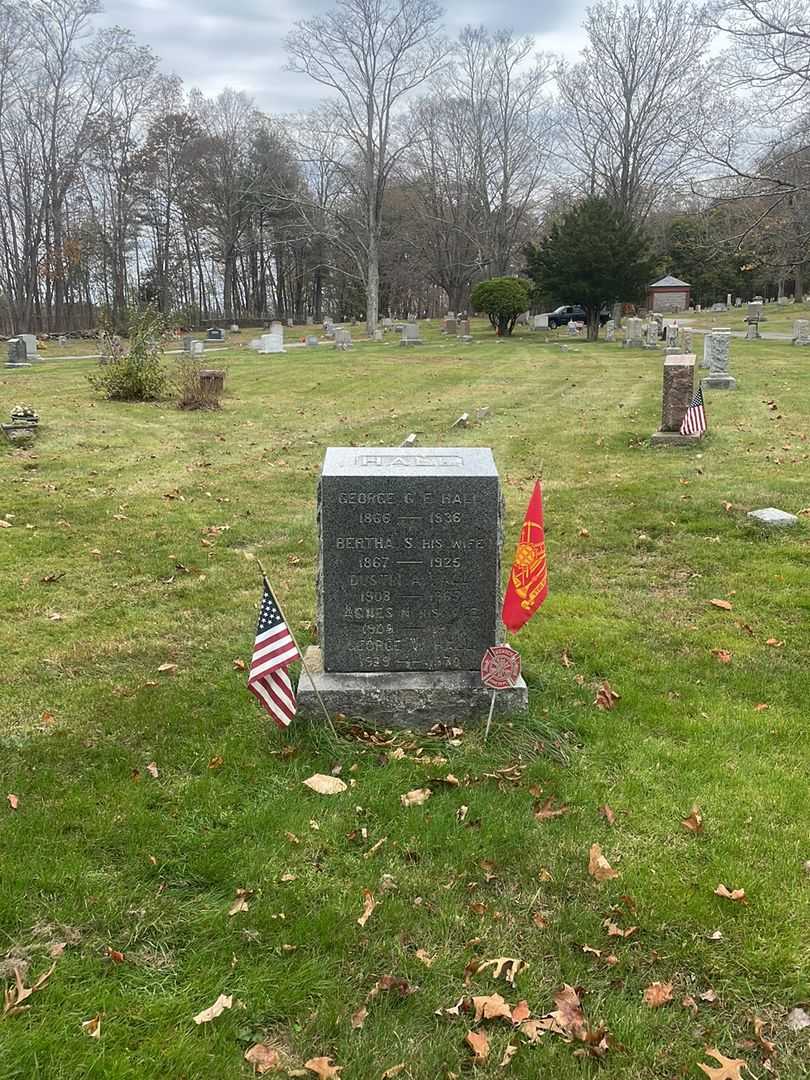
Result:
[431,165]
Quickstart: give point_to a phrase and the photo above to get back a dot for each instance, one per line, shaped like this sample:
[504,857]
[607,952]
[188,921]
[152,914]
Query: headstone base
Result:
[720,382]
[405,698]
[673,438]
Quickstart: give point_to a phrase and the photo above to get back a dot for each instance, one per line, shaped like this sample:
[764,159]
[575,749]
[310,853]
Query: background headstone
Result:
[719,377]
[801,332]
[633,334]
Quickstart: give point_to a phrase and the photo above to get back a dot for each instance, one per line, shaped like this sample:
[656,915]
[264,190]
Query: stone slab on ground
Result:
[720,382]
[405,698]
[771,516]
[673,438]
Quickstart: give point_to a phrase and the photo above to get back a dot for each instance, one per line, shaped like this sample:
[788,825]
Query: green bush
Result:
[137,374]
[503,299]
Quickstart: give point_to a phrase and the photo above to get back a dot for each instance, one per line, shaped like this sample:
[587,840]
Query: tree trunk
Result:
[373,282]
[593,324]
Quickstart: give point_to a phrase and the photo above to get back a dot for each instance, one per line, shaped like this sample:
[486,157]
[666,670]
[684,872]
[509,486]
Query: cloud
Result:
[211,44]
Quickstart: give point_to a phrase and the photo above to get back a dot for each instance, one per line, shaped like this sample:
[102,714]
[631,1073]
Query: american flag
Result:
[274,651]
[694,421]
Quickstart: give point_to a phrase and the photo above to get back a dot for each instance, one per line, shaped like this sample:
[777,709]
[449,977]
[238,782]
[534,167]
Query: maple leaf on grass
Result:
[323,1068]
[479,1044]
[223,1002]
[730,1068]
[658,994]
[598,866]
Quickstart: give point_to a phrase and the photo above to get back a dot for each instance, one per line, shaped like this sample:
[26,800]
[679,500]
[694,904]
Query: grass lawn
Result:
[134,532]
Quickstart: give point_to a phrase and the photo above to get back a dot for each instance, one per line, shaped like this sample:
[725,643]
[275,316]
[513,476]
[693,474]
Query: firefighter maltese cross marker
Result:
[500,667]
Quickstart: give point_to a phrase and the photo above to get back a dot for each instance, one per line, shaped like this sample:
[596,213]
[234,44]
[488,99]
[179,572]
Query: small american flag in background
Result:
[273,653]
[694,421]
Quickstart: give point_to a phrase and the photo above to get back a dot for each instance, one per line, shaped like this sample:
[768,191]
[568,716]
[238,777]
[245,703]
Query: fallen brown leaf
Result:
[539,920]
[548,810]
[598,866]
[729,1067]
[240,665]
[723,655]
[92,1027]
[491,1007]
[153,770]
[13,801]
[395,1070]
[325,785]
[263,1057]
[323,1068]
[168,669]
[216,762]
[508,1054]
[689,1002]
[521,1012]
[606,697]
[607,814]
[775,643]
[724,605]
[359,1017]
[223,1002]
[240,904]
[658,994]
[115,955]
[614,930]
[565,659]
[694,822]
[479,1044]
[424,957]
[508,966]
[731,894]
[417,797]
[369,903]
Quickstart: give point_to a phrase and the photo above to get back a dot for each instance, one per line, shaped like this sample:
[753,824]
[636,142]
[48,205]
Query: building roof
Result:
[668,282]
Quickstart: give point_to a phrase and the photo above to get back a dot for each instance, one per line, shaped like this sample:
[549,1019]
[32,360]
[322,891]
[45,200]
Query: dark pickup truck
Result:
[567,313]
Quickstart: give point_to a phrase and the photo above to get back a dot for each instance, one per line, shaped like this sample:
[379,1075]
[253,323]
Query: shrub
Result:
[194,392]
[135,375]
[503,299]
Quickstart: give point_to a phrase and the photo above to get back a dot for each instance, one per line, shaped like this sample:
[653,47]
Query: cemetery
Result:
[404,541]
[164,847]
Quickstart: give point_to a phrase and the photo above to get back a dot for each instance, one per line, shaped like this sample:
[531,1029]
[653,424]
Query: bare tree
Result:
[633,110]
[372,54]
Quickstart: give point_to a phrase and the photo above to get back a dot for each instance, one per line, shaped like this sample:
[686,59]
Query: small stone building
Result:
[668,294]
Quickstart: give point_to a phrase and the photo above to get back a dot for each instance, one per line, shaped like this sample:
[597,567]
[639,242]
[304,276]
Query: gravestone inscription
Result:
[409,582]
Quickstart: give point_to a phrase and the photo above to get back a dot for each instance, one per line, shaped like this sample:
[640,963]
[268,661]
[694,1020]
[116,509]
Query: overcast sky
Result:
[215,43]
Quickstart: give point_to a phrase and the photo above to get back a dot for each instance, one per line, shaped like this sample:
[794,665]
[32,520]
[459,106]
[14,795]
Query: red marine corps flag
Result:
[528,581]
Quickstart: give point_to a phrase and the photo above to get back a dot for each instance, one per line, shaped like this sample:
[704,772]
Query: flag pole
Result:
[489,718]
[300,653]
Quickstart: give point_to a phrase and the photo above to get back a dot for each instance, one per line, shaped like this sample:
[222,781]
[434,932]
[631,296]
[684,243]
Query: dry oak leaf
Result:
[479,1044]
[540,920]
[13,801]
[606,696]
[168,669]
[491,1007]
[731,894]
[391,982]
[658,994]
[607,813]
[548,810]
[325,785]
[508,966]
[395,1070]
[323,1068]
[240,665]
[724,605]
[521,1012]
[153,770]
[729,1067]
[359,1017]
[263,1057]
[92,1027]
[723,655]
[216,762]
[416,797]
[369,903]
[424,957]
[598,866]
[223,1002]
[614,930]
[693,823]
[759,1027]
[241,902]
